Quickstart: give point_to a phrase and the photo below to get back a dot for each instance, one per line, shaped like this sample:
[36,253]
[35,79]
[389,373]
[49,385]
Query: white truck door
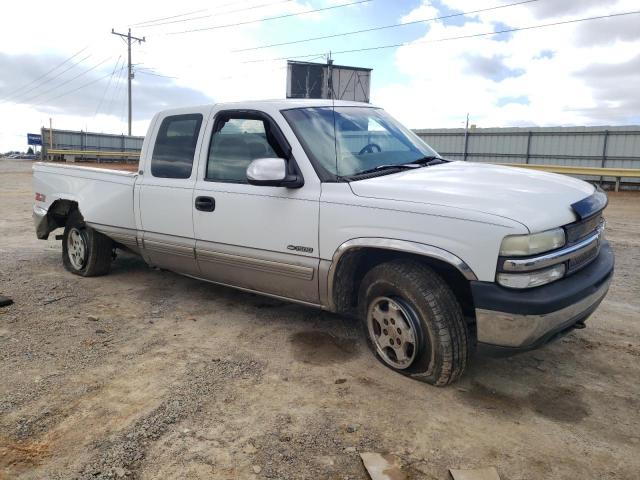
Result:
[166,190]
[254,237]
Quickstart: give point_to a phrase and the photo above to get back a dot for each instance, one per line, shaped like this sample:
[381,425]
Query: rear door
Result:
[255,237]
[166,191]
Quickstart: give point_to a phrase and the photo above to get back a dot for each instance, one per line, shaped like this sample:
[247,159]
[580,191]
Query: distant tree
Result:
[30,151]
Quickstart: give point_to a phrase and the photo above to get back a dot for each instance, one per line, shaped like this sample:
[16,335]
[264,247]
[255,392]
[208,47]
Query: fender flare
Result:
[421,249]
[43,218]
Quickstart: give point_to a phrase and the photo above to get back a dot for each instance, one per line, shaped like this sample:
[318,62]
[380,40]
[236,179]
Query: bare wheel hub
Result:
[76,249]
[391,329]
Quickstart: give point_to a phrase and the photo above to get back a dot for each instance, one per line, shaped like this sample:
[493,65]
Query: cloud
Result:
[566,75]
[615,90]
[560,8]
[522,100]
[493,67]
[548,53]
[93,88]
[609,31]
[203,63]
[423,12]
[547,76]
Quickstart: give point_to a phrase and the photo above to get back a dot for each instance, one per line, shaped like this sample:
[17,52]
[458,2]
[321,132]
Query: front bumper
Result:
[510,321]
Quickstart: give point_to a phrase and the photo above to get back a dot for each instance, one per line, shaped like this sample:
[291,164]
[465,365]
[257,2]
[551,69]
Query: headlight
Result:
[523,245]
[532,279]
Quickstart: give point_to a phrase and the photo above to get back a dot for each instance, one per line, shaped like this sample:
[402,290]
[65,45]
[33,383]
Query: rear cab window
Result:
[175,146]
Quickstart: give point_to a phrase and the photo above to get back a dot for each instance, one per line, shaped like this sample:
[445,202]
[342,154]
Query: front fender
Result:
[397,245]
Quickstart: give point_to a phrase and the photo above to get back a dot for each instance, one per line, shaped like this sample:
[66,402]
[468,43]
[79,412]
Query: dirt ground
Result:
[146,374]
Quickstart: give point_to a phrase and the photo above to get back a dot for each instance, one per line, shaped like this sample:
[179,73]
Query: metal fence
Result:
[615,147]
[74,140]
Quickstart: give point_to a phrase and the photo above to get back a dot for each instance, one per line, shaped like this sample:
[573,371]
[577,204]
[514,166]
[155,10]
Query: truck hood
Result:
[538,200]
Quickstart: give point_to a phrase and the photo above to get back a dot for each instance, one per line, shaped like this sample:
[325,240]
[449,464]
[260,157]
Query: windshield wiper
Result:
[428,161]
[391,166]
[419,163]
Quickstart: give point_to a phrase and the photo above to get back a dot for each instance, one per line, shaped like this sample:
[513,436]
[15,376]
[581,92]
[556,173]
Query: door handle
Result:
[205,204]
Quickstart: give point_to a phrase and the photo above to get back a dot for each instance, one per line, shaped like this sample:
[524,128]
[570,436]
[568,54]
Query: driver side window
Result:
[235,142]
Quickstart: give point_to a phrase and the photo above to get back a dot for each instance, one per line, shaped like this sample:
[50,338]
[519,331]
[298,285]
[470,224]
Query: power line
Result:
[408,44]
[117,84]
[124,111]
[44,75]
[183,14]
[49,100]
[383,27]
[59,74]
[271,18]
[168,18]
[104,93]
[144,72]
[218,14]
[253,7]
[30,99]
[46,81]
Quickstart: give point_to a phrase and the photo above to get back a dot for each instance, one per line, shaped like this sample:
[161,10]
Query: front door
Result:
[255,237]
[166,192]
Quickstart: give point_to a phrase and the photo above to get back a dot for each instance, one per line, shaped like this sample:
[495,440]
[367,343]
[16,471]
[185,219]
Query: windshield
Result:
[364,138]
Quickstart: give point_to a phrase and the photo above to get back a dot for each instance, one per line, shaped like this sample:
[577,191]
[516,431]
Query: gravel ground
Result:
[145,374]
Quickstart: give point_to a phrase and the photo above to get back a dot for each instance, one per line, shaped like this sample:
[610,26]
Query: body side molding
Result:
[268,266]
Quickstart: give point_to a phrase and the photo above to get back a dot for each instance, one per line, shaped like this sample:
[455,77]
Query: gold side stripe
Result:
[287,269]
[169,248]
[128,240]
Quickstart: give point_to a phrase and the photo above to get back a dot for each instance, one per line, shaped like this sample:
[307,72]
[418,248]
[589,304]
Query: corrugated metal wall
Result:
[573,146]
[75,140]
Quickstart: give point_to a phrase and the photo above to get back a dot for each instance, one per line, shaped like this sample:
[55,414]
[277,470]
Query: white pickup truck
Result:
[338,206]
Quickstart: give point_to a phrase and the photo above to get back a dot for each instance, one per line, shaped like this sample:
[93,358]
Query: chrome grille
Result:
[579,230]
[581,260]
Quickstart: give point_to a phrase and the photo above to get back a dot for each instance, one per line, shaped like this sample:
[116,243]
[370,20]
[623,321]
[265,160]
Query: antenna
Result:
[331,94]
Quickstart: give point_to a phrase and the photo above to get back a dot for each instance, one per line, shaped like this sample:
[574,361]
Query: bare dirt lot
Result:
[146,374]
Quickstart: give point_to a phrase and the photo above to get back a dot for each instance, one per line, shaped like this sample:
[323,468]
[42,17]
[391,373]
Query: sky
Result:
[59,60]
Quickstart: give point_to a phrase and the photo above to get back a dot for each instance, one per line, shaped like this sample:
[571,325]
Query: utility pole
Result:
[128,40]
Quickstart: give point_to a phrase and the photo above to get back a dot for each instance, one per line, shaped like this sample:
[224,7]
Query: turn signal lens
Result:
[532,279]
[40,197]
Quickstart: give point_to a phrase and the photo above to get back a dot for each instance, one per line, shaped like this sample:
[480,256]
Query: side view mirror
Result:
[272,172]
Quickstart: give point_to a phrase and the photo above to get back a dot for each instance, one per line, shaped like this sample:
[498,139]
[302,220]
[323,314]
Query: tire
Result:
[85,252]
[413,322]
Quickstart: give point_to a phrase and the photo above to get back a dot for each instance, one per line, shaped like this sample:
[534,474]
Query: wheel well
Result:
[58,213]
[355,264]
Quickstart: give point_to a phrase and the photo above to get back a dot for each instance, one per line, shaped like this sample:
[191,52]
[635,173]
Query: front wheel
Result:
[413,322]
[85,252]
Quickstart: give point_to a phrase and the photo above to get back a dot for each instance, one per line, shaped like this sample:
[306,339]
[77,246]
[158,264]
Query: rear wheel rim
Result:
[391,325]
[76,249]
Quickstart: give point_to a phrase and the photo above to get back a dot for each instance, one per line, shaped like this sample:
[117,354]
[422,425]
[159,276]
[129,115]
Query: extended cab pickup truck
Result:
[338,206]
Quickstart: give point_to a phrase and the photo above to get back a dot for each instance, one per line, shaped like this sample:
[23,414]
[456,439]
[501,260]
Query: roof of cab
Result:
[281,104]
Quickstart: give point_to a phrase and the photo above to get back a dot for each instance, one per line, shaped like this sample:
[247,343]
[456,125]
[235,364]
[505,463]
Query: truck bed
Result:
[124,166]
[105,196]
